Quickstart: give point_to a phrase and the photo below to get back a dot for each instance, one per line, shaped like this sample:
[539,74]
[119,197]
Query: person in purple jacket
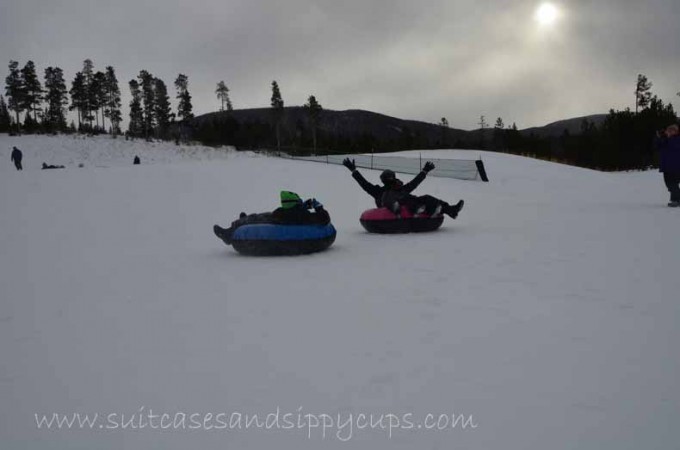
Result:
[668,144]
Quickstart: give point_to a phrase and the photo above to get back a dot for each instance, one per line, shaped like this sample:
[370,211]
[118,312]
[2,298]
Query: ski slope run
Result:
[548,311]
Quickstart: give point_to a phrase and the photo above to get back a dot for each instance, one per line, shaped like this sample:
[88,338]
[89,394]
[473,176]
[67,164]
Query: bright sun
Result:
[546,14]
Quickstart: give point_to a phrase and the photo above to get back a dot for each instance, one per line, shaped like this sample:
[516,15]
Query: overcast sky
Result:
[422,60]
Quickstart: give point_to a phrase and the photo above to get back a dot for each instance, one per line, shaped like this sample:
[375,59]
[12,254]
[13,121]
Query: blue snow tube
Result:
[269,239]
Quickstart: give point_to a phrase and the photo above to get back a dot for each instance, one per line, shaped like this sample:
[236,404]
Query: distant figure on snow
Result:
[50,166]
[136,161]
[17,156]
[394,193]
[668,144]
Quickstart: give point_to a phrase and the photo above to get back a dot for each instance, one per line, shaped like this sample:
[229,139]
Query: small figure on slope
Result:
[46,166]
[16,158]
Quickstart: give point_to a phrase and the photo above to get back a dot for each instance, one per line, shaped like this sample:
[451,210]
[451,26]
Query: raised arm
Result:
[371,189]
[413,184]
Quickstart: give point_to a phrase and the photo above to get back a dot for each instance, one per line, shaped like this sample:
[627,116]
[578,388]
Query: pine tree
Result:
[113,104]
[277,112]
[32,90]
[146,83]
[163,110]
[5,118]
[222,92]
[498,134]
[642,93]
[55,96]
[444,125]
[88,78]
[78,94]
[314,112]
[14,88]
[483,125]
[97,96]
[184,107]
[136,125]
[513,138]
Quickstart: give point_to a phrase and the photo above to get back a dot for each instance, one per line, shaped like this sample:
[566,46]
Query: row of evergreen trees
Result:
[150,110]
[95,97]
[623,141]
[227,130]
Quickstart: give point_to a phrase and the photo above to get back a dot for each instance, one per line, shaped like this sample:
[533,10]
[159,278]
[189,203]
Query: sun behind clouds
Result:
[546,14]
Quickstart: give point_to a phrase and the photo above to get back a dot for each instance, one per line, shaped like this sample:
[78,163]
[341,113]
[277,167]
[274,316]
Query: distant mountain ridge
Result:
[572,125]
[354,123]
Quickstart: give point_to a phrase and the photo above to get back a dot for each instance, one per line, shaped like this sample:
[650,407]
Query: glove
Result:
[428,166]
[313,203]
[350,164]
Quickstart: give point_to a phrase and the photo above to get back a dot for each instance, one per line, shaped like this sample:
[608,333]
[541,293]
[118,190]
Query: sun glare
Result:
[546,14]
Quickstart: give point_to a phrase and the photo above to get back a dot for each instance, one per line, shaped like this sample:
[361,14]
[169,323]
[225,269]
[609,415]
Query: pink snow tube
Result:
[382,220]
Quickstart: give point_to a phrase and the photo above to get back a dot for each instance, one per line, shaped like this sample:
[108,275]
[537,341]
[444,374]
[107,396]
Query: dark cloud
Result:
[417,60]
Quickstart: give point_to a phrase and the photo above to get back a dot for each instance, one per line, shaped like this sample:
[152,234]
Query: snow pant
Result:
[430,203]
[248,219]
[413,202]
[17,164]
[672,181]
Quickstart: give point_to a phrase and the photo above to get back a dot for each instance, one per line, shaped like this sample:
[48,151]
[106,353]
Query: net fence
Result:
[461,169]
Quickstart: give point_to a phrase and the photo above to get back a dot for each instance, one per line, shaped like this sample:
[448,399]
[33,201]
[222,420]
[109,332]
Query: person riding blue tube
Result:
[293,211]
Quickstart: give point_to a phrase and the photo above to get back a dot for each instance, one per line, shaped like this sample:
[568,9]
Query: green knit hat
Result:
[289,199]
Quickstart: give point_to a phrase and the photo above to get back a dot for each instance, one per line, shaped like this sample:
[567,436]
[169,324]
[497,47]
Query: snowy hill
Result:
[101,151]
[548,311]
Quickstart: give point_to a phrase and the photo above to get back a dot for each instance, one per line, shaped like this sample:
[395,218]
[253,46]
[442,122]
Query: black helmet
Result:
[388,176]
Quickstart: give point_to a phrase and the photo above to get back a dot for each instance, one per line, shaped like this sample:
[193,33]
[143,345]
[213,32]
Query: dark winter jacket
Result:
[670,154]
[301,216]
[287,216]
[377,192]
[16,155]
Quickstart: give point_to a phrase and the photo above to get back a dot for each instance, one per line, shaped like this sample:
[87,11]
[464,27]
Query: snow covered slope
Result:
[100,151]
[549,311]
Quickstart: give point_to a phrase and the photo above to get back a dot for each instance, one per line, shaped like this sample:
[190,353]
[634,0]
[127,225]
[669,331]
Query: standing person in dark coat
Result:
[136,161]
[394,193]
[668,143]
[17,156]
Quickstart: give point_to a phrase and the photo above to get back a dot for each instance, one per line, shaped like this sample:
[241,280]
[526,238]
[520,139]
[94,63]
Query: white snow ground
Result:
[549,311]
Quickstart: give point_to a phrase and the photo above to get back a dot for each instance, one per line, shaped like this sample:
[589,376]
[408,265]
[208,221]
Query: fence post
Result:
[420,161]
[371,160]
